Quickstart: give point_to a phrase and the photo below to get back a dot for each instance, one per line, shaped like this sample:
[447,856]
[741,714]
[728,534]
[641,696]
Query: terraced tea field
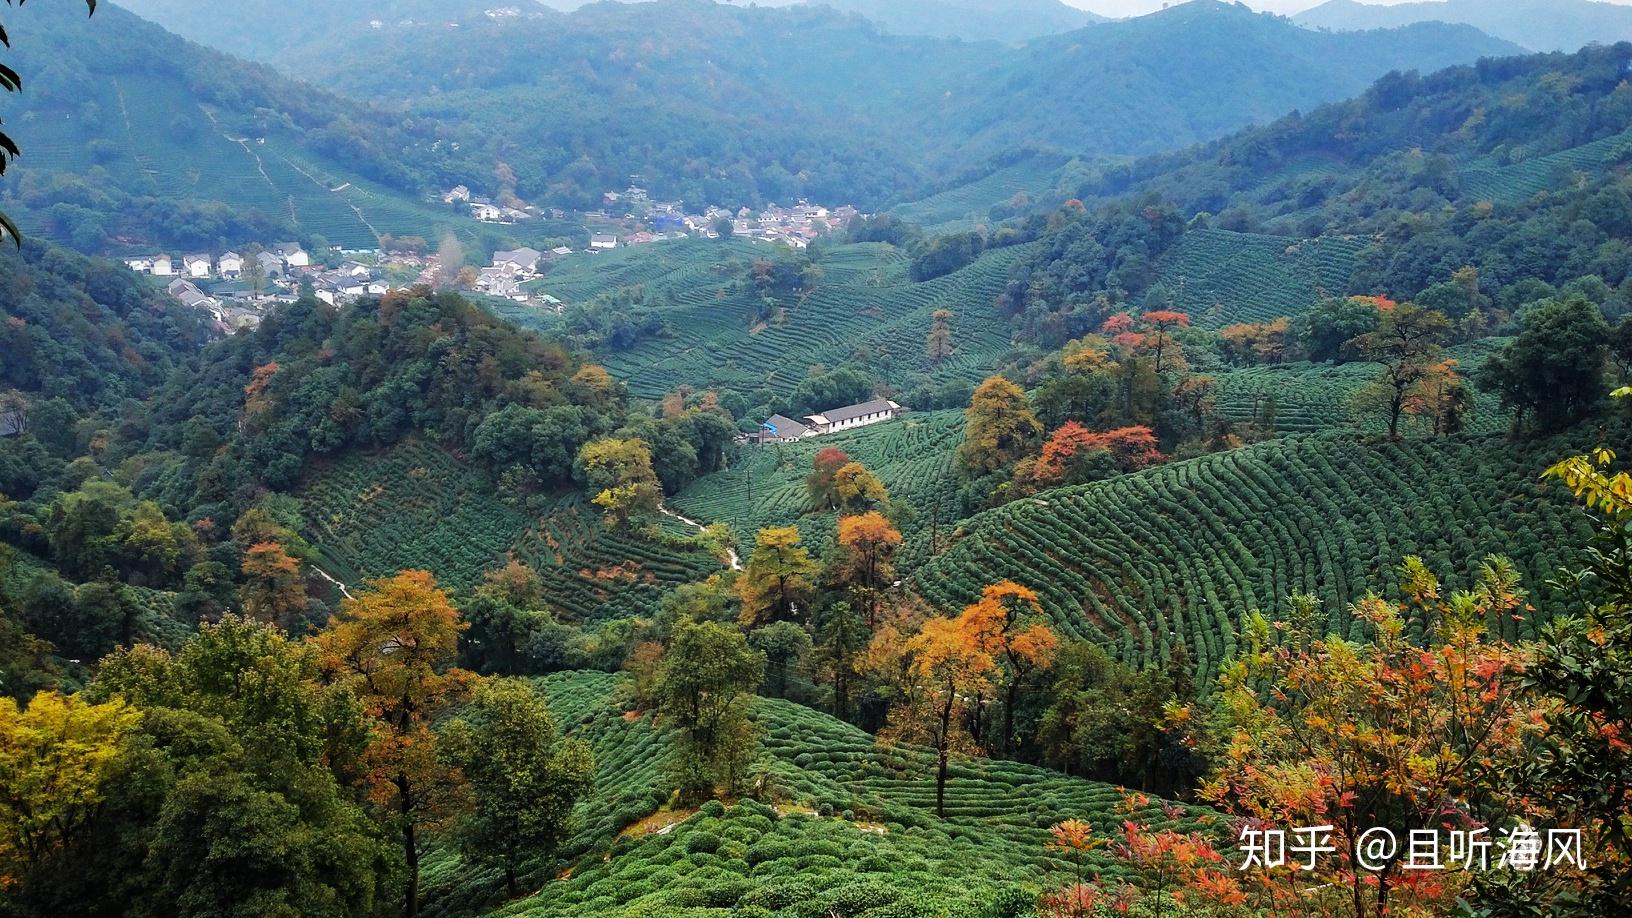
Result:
[713,342]
[1516,182]
[1221,277]
[414,506]
[1313,397]
[1183,551]
[660,269]
[969,205]
[847,817]
[765,485]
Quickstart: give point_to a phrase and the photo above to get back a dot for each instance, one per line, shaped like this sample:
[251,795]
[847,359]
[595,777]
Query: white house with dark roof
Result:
[189,295]
[524,259]
[196,265]
[231,265]
[779,429]
[850,417]
[603,241]
[271,265]
[293,255]
[163,266]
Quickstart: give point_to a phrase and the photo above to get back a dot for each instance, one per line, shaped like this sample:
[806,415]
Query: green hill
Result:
[1010,190]
[1181,552]
[263,30]
[1221,277]
[806,101]
[1510,167]
[414,506]
[849,830]
[864,308]
[133,137]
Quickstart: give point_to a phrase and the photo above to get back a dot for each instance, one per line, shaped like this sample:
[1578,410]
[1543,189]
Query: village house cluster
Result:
[781,429]
[645,221]
[631,217]
[235,289]
[513,267]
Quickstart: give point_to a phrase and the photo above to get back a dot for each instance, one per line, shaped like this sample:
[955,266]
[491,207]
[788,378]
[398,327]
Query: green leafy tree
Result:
[1581,769]
[1552,374]
[1327,328]
[843,636]
[1406,346]
[704,684]
[619,474]
[524,777]
[785,645]
[239,795]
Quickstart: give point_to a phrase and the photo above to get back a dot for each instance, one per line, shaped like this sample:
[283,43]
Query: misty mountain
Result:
[1539,25]
[699,101]
[972,20]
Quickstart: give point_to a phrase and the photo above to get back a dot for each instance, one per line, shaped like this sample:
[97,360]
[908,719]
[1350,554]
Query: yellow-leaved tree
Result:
[394,646]
[56,757]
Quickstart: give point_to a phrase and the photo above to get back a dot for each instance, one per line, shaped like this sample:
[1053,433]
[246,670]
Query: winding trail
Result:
[325,575]
[731,553]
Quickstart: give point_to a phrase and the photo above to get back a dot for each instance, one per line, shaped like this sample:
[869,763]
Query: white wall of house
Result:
[866,419]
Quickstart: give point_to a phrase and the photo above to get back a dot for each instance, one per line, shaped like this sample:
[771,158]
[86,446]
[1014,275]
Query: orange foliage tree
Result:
[394,646]
[939,671]
[273,591]
[1007,624]
[869,543]
[1131,448]
[821,483]
[1159,325]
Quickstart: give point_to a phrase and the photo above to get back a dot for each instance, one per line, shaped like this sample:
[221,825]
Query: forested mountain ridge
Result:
[971,20]
[1510,168]
[133,135]
[1540,25]
[1185,75]
[727,105]
[264,30]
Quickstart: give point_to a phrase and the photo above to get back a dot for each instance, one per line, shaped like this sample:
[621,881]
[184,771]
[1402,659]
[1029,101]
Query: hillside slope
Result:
[864,308]
[1181,552]
[134,137]
[849,830]
[1185,75]
[371,514]
[1512,168]
[264,30]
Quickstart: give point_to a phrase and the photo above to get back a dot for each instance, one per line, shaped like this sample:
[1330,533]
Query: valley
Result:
[913,459]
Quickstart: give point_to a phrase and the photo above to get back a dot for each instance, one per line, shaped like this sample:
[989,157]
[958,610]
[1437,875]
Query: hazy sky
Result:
[1136,7]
